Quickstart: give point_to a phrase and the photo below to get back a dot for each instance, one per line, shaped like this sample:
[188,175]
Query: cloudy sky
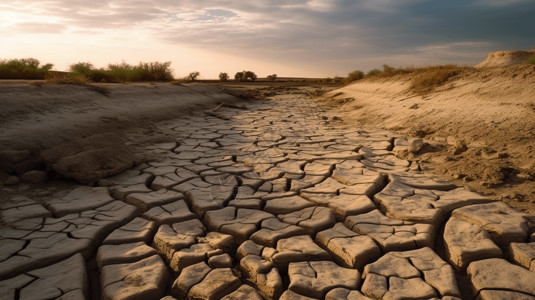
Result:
[313,38]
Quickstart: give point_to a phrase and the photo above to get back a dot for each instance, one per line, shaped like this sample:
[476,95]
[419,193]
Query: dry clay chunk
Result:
[145,279]
[493,277]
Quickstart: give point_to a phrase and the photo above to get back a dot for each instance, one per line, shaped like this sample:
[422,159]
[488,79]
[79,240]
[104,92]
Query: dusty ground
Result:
[491,111]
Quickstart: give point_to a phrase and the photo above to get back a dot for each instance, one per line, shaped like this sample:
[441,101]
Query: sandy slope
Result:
[491,109]
[39,117]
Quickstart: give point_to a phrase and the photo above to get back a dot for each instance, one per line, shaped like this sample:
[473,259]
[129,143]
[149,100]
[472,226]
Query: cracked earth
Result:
[276,201]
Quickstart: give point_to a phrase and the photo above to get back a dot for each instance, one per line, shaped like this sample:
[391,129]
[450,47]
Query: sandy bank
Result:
[38,117]
[490,110]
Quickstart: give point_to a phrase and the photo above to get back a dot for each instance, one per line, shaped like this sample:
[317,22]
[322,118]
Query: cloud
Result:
[304,32]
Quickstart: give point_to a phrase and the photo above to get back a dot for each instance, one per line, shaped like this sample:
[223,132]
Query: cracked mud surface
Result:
[277,201]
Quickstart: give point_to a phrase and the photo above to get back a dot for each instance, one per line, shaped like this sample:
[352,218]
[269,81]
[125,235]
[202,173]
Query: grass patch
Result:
[423,80]
[25,68]
[531,59]
[427,79]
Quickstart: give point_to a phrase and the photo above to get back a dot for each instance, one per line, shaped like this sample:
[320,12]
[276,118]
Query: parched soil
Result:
[478,127]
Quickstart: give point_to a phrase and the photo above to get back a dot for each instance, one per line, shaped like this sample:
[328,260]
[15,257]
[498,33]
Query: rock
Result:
[348,248]
[416,274]
[35,176]
[145,279]
[315,278]
[343,205]
[415,145]
[465,242]
[496,278]
[290,295]
[262,274]
[90,159]
[458,148]
[171,238]
[523,254]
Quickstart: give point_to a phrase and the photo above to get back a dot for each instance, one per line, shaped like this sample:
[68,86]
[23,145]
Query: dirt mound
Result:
[505,58]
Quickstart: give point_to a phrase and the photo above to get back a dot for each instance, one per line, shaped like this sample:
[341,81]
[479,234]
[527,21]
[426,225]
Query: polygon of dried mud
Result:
[272,202]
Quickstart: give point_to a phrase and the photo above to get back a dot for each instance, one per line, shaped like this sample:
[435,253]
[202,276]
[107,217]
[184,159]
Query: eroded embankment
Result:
[479,126]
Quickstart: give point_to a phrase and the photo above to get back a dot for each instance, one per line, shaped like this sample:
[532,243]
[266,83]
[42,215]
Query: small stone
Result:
[415,145]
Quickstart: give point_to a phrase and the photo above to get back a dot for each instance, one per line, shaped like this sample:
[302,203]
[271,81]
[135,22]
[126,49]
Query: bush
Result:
[354,76]
[245,76]
[223,76]
[373,72]
[123,72]
[193,76]
[25,68]
[272,77]
[427,79]
[531,59]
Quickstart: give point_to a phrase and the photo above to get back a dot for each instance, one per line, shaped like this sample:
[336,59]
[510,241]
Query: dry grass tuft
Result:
[427,79]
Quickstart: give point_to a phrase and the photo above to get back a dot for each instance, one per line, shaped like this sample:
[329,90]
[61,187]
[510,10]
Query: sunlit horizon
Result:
[299,39]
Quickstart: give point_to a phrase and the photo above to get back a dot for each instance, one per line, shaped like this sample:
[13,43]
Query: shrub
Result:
[373,72]
[272,77]
[25,68]
[531,59]
[193,76]
[427,79]
[223,76]
[245,76]
[354,76]
[123,72]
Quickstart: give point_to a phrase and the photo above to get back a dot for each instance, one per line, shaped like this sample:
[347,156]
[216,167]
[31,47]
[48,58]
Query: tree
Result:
[245,76]
[223,76]
[193,75]
[272,77]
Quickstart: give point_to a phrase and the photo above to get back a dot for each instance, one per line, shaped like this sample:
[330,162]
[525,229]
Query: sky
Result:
[305,38]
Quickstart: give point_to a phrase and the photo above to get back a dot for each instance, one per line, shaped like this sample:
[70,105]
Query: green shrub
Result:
[354,76]
[123,72]
[531,59]
[272,77]
[25,68]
